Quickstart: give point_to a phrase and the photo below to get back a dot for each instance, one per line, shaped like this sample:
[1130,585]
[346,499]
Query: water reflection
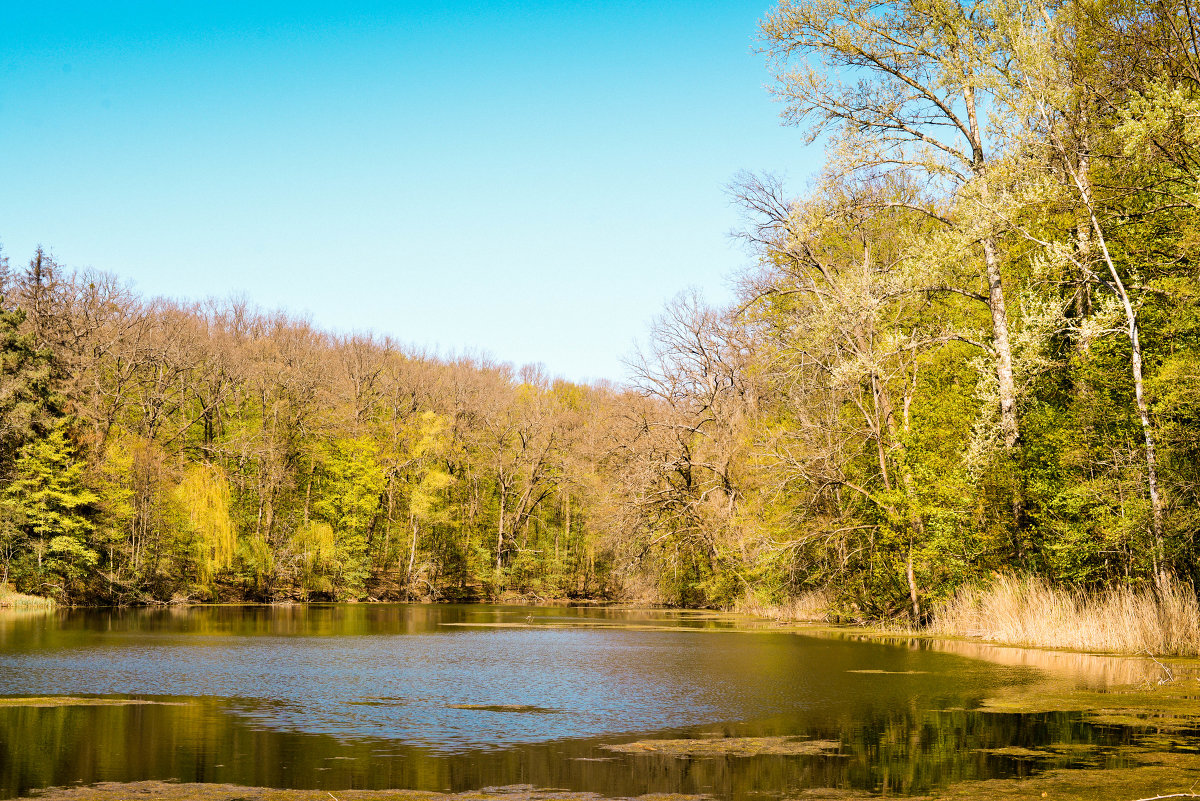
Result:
[405,696]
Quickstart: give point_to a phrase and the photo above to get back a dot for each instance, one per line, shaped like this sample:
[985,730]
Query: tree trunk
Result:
[1156,510]
[912,586]
[1009,428]
[412,553]
[500,534]
[1158,557]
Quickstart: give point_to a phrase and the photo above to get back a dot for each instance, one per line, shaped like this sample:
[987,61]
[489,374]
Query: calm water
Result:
[343,696]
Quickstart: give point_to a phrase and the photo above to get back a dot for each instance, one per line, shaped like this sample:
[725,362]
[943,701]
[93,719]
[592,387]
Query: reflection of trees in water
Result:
[1085,670]
[895,751]
[1088,671]
[889,739]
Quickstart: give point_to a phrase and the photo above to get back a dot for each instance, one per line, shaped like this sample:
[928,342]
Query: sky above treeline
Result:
[527,180]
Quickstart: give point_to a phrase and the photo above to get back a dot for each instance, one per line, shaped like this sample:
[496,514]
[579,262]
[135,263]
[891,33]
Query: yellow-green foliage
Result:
[114,477]
[426,496]
[203,496]
[316,546]
[255,553]
[426,500]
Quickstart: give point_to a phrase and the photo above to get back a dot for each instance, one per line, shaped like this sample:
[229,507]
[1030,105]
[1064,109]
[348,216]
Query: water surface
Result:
[462,697]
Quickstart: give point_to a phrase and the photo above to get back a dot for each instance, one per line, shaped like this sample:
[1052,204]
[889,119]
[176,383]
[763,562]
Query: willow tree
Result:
[352,484]
[900,85]
[204,498]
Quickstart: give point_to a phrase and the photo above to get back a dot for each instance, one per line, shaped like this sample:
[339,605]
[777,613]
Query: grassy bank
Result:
[1028,611]
[15,600]
[813,606]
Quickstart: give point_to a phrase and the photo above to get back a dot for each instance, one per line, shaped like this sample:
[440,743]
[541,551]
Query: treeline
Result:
[153,450]
[973,345]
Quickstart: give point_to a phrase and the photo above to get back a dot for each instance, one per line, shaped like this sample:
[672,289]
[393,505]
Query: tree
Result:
[900,85]
[28,404]
[49,497]
[843,334]
[352,481]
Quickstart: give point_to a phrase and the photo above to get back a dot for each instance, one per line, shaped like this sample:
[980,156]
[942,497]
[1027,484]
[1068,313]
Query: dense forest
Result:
[971,345]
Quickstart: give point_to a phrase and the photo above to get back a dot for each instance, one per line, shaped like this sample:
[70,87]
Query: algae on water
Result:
[730,746]
[66,700]
[172,791]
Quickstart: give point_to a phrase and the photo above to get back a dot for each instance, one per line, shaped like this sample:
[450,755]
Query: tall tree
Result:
[902,85]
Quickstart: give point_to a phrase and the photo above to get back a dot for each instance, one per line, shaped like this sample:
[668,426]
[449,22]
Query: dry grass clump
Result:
[1028,611]
[811,606]
[10,599]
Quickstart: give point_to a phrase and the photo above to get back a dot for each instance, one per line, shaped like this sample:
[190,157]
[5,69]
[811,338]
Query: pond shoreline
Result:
[1136,729]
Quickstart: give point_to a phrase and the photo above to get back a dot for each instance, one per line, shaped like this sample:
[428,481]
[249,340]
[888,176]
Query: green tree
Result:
[50,498]
[352,481]
[904,86]
[28,407]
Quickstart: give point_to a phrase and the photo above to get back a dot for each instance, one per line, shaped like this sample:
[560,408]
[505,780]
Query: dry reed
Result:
[1028,611]
[811,606]
[15,600]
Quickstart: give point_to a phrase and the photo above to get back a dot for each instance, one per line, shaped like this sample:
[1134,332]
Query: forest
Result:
[969,346]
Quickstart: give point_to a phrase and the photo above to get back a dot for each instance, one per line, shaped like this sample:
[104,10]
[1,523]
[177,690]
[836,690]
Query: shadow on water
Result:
[402,696]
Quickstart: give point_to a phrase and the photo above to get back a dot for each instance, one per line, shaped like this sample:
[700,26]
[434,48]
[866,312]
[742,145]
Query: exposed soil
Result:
[171,791]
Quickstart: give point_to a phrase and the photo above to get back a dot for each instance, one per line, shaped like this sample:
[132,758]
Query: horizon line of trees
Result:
[152,450]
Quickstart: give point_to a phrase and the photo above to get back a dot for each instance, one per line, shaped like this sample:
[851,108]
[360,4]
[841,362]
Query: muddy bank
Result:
[171,791]
[1159,774]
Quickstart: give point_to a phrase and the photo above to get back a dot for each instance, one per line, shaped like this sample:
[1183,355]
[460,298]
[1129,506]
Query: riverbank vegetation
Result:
[1030,611]
[970,347]
[16,600]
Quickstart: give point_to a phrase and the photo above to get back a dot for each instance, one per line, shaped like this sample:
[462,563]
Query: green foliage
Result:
[204,498]
[316,547]
[72,562]
[49,502]
[849,424]
[352,480]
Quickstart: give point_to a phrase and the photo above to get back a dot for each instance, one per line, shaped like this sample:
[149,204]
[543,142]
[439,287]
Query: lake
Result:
[453,698]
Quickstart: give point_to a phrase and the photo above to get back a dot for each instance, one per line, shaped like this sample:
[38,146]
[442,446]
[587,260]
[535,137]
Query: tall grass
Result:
[9,599]
[812,606]
[1028,611]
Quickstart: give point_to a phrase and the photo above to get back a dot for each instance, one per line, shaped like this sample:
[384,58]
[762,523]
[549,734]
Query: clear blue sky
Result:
[533,180]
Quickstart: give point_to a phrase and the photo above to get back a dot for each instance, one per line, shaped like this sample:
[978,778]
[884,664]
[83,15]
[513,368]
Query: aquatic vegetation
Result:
[47,701]
[171,791]
[730,746]
[506,708]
